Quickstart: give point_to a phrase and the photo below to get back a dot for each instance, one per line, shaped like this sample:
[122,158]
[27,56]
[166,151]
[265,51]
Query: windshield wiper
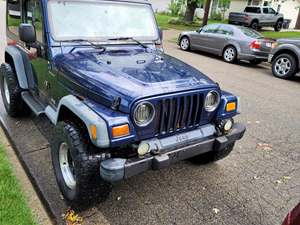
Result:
[129,38]
[97,46]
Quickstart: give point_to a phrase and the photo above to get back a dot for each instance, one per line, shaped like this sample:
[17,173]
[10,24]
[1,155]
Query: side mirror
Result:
[27,33]
[161,35]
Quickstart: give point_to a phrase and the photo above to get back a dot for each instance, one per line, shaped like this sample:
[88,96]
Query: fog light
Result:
[226,125]
[143,149]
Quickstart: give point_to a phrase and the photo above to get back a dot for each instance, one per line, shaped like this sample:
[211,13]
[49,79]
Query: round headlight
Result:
[144,114]
[212,101]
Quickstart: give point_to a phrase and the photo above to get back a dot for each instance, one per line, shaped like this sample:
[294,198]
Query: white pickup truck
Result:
[257,17]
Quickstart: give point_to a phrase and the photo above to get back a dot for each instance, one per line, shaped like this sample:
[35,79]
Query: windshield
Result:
[101,20]
[250,33]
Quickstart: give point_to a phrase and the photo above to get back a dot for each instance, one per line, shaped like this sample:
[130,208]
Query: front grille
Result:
[179,113]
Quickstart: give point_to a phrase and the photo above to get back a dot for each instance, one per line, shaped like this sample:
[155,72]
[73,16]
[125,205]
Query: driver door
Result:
[45,79]
[206,39]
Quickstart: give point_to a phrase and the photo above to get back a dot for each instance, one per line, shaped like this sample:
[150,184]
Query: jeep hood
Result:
[130,74]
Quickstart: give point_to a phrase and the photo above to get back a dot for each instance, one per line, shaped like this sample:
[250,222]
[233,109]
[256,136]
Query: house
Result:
[289,8]
[160,5]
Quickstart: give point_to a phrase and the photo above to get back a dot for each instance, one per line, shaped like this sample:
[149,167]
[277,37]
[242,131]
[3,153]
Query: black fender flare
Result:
[22,66]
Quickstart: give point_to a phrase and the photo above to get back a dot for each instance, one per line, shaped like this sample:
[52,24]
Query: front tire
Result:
[185,44]
[254,25]
[284,66]
[11,92]
[278,26]
[230,54]
[76,171]
[213,156]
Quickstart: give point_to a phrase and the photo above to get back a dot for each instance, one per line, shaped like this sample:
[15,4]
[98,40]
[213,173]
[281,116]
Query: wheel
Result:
[213,156]
[11,93]
[278,25]
[254,25]
[230,54]
[255,62]
[76,171]
[284,66]
[185,44]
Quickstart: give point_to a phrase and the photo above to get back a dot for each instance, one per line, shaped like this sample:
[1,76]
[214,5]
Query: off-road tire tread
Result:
[90,187]
[17,106]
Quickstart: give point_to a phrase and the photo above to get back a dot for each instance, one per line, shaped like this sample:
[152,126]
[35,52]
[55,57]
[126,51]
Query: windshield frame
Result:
[145,39]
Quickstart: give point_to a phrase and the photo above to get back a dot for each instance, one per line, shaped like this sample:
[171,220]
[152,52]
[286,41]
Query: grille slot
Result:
[178,113]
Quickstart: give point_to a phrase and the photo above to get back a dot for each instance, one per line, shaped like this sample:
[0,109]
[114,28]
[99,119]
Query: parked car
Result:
[285,58]
[229,41]
[257,17]
[120,106]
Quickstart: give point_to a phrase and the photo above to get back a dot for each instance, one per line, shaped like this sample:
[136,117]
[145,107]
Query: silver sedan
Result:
[231,42]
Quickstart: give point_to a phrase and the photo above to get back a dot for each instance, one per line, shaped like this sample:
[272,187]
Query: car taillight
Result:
[255,44]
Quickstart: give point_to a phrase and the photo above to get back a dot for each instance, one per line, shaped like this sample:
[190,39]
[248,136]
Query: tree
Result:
[206,12]
[298,20]
[191,6]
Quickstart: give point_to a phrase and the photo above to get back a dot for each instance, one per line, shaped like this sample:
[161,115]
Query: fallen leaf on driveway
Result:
[286,178]
[264,146]
[215,210]
[283,180]
[256,177]
[72,218]
[278,182]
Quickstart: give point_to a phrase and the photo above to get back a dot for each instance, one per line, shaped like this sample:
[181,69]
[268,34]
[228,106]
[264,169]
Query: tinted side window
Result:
[265,10]
[252,9]
[226,30]
[34,17]
[13,17]
[212,28]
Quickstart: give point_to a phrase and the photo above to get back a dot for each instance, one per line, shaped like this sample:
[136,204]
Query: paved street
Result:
[257,184]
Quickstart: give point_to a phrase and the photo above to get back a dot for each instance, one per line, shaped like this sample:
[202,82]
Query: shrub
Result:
[216,16]
[175,7]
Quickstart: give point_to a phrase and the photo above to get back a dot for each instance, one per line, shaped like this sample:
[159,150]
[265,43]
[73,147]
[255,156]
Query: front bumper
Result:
[117,169]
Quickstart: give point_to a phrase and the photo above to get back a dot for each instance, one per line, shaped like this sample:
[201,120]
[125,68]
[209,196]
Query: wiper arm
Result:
[128,38]
[97,46]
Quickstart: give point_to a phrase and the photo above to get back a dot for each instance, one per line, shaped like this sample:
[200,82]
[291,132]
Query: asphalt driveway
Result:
[257,184]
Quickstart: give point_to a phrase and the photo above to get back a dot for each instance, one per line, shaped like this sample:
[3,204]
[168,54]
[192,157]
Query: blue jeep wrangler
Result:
[120,106]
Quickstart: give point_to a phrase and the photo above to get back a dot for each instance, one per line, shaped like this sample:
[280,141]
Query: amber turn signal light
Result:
[120,131]
[231,106]
[93,130]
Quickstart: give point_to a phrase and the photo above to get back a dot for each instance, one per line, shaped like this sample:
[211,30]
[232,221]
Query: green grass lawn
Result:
[163,22]
[13,207]
[282,34]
